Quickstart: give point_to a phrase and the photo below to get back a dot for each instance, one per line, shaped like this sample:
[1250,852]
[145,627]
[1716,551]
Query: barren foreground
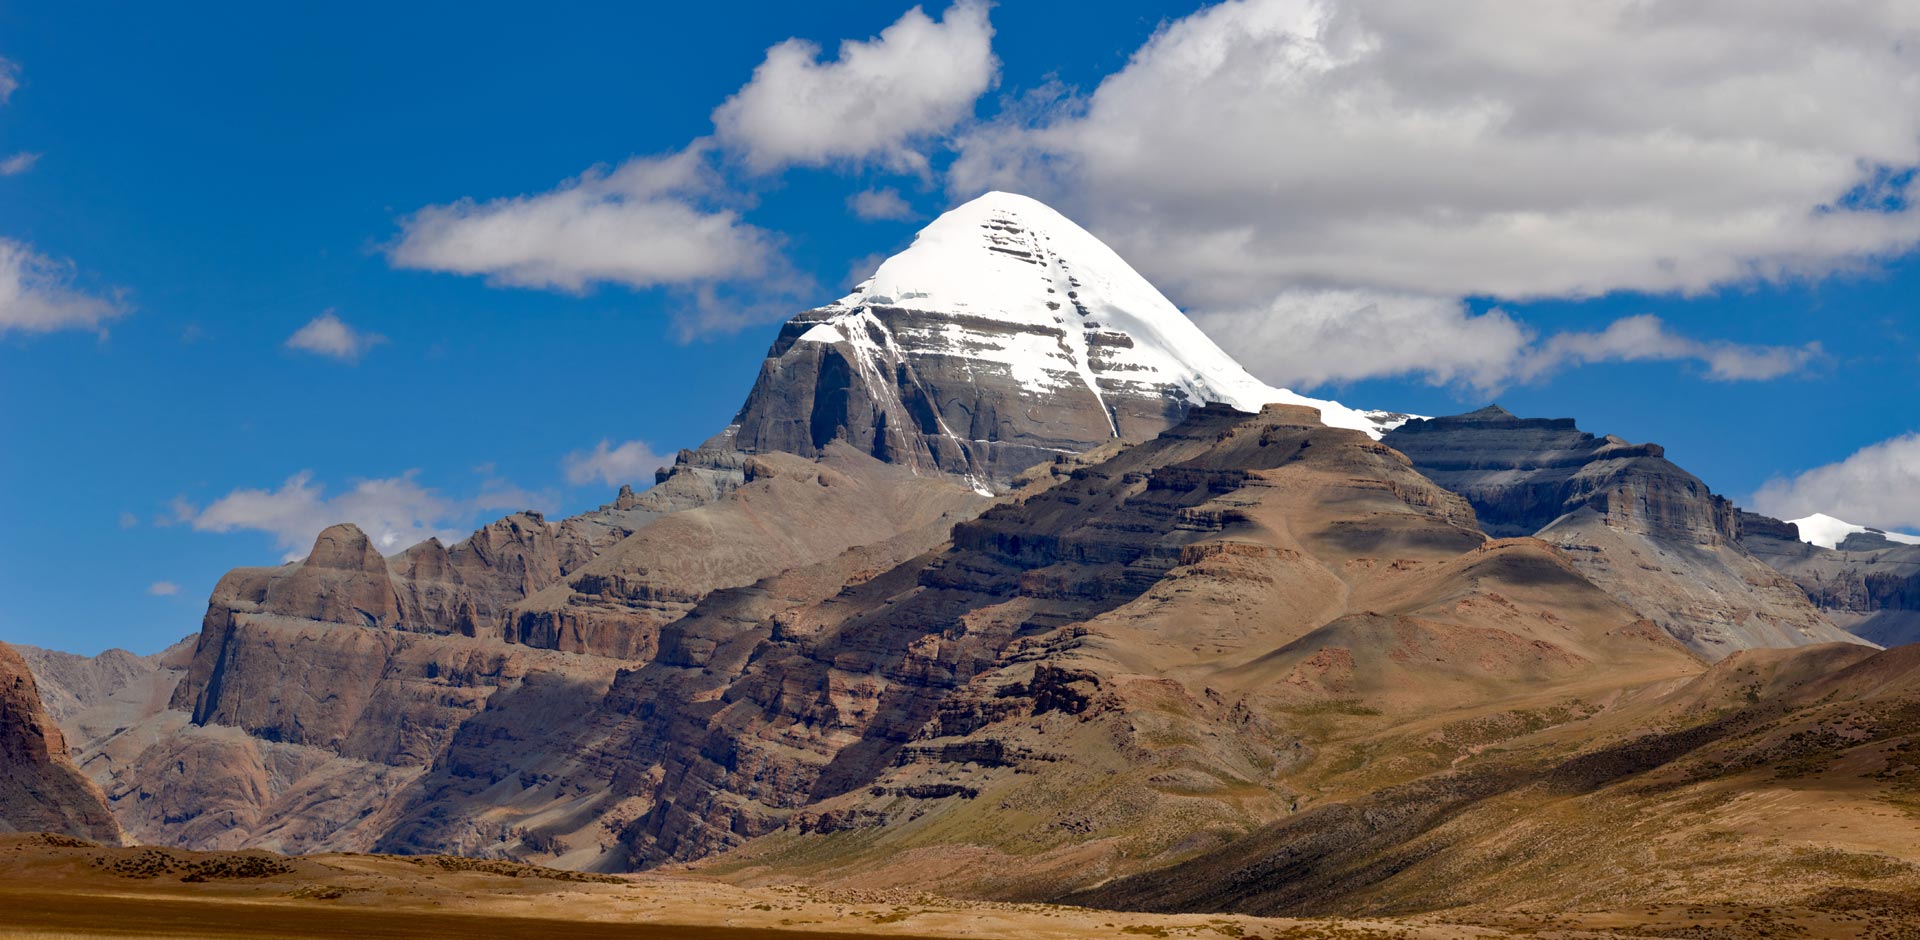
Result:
[56,887]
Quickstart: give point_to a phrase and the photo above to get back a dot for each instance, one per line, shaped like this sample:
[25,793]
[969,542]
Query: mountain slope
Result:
[1644,529]
[1134,659]
[1866,581]
[1777,778]
[40,789]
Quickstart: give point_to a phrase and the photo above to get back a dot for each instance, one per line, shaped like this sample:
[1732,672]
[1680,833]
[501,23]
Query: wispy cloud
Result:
[9,79]
[1645,338]
[395,512]
[877,204]
[37,295]
[610,465]
[1310,338]
[163,589]
[328,335]
[18,163]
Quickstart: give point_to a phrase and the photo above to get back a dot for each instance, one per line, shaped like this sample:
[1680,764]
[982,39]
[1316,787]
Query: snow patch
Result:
[1015,283]
[1827,532]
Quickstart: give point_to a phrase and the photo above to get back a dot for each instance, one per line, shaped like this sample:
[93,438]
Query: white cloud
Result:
[394,512]
[37,294]
[1511,149]
[163,589]
[9,79]
[876,204]
[630,462]
[1645,338]
[1306,338]
[876,101]
[128,520]
[1311,337]
[637,225]
[328,335]
[18,163]
[1879,486]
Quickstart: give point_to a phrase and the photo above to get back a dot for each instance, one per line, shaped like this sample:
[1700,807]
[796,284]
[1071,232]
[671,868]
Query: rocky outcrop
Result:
[1522,474]
[786,511]
[40,789]
[1867,584]
[1641,527]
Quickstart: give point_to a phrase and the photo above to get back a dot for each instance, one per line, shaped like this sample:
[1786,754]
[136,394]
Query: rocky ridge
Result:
[1127,663]
[1643,528]
[1866,582]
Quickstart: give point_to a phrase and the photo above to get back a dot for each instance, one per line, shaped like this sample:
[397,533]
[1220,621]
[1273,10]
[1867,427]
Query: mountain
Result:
[1005,581]
[1135,663]
[1865,580]
[41,790]
[1003,336]
[1647,531]
[316,693]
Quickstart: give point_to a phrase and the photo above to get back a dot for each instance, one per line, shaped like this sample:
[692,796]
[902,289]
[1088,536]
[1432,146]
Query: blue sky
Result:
[217,180]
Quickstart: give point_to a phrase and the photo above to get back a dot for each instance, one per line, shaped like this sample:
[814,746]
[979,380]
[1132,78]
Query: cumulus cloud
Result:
[395,512]
[642,224]
[875,102]
[1879,486]
[18,163]
[163,589]
[1511,149]
[1313,337]
[630,462]
[877,204]
[328,335]
[37,294]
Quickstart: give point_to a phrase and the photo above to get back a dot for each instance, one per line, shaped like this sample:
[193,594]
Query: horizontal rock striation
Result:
[1867,584]
[1643,528]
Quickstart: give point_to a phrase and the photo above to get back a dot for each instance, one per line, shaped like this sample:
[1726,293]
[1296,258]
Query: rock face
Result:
[40,789]
[1868,583]
[71,684]
[111,706]
[1641,527]
[1006,335]
[1125,663]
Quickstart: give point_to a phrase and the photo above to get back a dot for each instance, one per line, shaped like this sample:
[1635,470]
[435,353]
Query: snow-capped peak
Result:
[1827,532]
[1079,314]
